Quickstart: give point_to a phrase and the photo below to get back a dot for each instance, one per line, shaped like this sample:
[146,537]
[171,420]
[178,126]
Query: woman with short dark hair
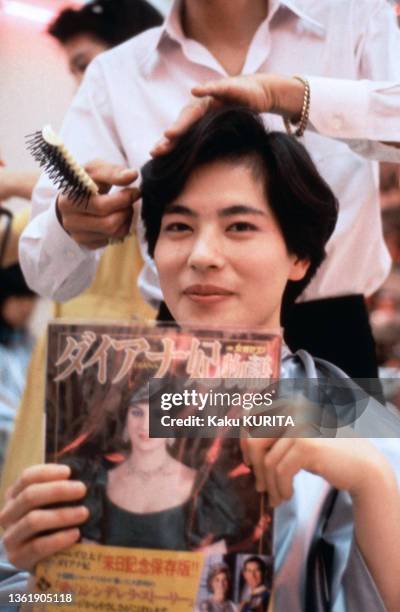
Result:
[235,217]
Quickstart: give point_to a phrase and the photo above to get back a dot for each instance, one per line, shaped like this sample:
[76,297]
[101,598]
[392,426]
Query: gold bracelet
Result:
[305,111]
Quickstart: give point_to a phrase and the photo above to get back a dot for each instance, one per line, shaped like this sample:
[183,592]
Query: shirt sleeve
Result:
[353,585]
[54,265]
[358,584]
[357,580]
[365,113]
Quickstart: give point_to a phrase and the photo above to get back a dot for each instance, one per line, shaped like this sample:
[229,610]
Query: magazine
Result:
[175,520]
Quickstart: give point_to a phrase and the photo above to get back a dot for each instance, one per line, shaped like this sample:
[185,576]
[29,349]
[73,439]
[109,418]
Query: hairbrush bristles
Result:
[62,169]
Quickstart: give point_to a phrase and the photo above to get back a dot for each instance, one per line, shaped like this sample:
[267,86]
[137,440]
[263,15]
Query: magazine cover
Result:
[175,521]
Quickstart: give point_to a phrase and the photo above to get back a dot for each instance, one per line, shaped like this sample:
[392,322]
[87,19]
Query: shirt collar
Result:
[172,26]
[308,11]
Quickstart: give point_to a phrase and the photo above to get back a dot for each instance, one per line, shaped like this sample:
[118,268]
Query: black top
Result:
[214,512]
[162,530]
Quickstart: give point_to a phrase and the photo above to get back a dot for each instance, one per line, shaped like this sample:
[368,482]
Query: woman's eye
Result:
[136,412]
[177,226]
[80,67]
[242,226]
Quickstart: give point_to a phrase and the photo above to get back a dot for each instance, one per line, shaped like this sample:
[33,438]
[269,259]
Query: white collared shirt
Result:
[348,49]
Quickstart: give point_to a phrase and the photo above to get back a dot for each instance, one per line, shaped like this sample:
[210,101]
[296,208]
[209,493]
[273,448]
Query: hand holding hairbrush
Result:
[91,215]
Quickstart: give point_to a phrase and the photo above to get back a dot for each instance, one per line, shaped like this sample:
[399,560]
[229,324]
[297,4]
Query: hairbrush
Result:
[63,170]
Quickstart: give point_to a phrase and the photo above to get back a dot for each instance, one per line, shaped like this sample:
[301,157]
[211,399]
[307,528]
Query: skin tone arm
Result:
[17,184]
[260,92]
[353,465]
[263,93]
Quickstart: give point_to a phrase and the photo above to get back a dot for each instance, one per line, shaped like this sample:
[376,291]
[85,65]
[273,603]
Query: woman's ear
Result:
[299,268]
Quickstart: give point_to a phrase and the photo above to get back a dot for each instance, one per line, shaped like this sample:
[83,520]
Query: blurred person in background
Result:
[18,184]
[83,33]
[113,294]
[100,25]
[17,302]
[385,304]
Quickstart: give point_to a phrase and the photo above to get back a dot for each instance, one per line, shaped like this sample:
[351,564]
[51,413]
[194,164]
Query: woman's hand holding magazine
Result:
[33,529]
[341,462]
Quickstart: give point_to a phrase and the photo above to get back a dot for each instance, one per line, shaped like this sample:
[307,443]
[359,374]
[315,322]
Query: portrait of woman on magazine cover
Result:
[159,493]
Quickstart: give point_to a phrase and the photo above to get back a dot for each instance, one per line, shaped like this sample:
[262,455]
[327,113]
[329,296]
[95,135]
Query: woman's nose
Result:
[206,252]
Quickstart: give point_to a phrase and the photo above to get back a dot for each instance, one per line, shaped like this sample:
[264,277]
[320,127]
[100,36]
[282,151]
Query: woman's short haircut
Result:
[215,570]
[110,21]
[302,202]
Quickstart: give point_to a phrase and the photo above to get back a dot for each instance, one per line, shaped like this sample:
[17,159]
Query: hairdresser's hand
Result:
[25,516]
[107,215]
[263,93]
[342,462]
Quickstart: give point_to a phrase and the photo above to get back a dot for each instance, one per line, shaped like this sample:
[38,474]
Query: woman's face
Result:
[80,51]
[220,585]
[253,574]
[137,426]
[220,255]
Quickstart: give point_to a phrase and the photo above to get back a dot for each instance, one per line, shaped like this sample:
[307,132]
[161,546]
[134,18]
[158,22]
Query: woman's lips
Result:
[207,294]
